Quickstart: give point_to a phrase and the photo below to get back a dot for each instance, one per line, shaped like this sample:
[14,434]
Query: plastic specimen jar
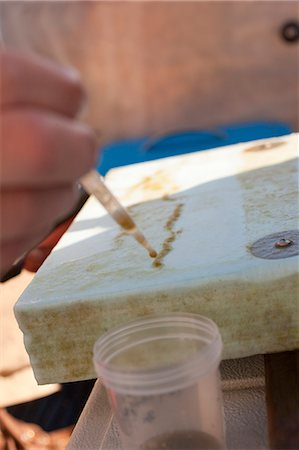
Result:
[162,378]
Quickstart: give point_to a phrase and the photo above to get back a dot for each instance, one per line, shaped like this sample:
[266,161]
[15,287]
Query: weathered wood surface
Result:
[282,397]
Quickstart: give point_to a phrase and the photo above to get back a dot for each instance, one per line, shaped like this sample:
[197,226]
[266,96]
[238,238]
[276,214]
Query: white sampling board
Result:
[202,212]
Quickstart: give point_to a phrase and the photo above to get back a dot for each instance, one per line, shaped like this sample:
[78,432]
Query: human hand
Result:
[44,150]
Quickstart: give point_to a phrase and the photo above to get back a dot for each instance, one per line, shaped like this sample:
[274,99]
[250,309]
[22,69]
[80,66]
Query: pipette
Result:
[94,184]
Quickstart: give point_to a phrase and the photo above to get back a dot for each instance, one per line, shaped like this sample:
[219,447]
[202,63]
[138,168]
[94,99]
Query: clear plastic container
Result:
[162,378]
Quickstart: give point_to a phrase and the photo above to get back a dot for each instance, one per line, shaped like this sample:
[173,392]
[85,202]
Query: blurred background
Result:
[155,67]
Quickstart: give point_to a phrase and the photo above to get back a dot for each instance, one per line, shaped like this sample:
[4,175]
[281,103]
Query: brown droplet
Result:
[157,263]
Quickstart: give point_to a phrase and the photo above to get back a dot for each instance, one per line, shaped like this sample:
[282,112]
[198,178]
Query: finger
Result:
[31,80]
[25,213]
[43,150]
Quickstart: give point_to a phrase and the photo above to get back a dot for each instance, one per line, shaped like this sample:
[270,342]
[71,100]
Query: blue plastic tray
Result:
[147,148]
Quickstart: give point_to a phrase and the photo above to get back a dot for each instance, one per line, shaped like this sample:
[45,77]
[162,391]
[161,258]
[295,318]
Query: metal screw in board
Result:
[283,244]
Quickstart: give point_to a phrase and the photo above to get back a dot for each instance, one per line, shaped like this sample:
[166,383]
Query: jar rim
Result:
[164,378]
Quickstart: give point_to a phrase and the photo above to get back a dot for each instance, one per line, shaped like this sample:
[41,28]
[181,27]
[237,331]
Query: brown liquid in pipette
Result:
[94,184]
[128,224]
[141,239]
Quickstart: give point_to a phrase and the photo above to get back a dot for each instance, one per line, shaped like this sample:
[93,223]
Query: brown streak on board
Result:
[167,247]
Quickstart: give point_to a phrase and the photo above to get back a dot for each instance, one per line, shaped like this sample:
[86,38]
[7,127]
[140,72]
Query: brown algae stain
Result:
[267,195]
[174,217]
[265,146]
[170,216]
[167,198]
[219,300]
[167,244]
[159,182]
[166,248]
[135,210]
